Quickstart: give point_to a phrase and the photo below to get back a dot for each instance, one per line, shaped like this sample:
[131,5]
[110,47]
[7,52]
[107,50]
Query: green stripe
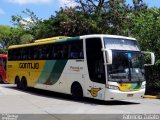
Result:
[138,86]
[55,70]
[135,86]
[46,71]
[68,39]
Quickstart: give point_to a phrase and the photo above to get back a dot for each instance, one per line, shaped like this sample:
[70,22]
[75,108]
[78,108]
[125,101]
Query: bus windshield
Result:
[127,66]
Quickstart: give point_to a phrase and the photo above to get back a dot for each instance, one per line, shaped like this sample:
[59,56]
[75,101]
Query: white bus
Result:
[104,67]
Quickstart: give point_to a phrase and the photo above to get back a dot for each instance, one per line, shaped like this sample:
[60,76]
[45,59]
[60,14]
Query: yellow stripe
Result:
[125,87]
[152,97]
[39,42]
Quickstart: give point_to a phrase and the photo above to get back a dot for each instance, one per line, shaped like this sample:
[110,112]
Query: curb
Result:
[151,96]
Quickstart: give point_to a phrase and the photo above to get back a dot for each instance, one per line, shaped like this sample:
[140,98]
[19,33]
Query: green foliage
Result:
[70,22]
[12,36]
[26,38]
[5,32]
[147,30]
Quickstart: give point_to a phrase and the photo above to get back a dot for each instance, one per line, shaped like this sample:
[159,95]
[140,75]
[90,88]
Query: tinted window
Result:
[14,54]
[65,50]
[76,50]
[60,51]
[95,60]
[24,54]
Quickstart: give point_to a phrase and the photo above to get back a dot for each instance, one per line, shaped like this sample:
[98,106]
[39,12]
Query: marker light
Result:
[112,87]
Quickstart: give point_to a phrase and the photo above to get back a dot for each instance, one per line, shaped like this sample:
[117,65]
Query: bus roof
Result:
[106,35]
[51,39]
[44,41]
[65,38]
[3,55]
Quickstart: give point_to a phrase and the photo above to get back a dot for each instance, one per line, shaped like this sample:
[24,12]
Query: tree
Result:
[5,31]
[70,22]
[12,36]
[26,38]
[107,16]
[147,30]
[30,25]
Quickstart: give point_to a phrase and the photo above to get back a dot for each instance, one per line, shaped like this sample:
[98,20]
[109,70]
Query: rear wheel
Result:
[18,82]
[24,84]
[77,92]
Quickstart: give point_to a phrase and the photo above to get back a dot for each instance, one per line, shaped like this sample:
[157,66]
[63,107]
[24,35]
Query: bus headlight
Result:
[112,87]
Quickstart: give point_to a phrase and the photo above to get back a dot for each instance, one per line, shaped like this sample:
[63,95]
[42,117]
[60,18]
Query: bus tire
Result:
[77,92]
[24,84]
[18,82]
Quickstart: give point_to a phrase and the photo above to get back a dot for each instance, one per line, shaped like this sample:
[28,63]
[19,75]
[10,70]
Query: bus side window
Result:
[51,54]
[57,52]
[43,52]
[76,49]
[65,51]
[49,49]
[16,54]
[25,54]
[31,53]
[10,54]
[60,51]
[36,53]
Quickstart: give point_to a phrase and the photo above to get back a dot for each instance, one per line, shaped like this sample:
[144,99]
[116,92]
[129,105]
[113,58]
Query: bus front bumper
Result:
[119,95]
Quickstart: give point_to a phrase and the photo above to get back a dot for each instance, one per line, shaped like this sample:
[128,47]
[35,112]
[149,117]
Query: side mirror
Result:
[152,58]
[108,54]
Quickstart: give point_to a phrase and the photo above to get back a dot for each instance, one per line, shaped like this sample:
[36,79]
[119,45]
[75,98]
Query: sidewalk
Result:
[152,96]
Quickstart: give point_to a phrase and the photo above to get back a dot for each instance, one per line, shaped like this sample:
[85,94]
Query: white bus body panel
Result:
[73,71]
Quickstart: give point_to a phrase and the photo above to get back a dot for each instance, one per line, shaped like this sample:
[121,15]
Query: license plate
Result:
[129,95]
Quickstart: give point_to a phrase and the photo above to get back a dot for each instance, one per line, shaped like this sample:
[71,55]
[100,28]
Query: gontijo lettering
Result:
[29,65]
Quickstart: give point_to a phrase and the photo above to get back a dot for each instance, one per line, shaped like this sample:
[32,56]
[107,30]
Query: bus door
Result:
[96,69]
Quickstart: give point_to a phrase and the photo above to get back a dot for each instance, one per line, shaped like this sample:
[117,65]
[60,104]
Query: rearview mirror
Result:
[149,58]
[108,54]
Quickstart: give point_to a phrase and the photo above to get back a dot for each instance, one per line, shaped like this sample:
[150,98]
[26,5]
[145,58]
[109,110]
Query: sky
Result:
[42,8]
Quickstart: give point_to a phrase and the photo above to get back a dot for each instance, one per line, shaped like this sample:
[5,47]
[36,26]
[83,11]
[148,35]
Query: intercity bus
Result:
[104,67]
[3,61]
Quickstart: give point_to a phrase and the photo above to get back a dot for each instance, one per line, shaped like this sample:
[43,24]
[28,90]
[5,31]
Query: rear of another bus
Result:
[3,61]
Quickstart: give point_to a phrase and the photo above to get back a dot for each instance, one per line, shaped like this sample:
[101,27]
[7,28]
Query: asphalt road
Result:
[50,105]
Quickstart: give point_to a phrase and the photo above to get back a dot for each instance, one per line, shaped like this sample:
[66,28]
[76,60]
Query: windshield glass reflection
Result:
[127,66]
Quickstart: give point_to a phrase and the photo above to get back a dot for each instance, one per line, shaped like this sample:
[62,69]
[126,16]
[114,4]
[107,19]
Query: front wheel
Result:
[77,92]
